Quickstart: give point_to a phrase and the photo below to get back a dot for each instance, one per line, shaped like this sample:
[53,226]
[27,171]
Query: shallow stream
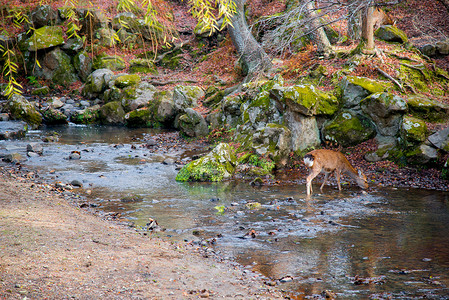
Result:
[385,243]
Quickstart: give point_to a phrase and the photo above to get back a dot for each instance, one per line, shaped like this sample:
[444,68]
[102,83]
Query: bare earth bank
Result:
[51,249]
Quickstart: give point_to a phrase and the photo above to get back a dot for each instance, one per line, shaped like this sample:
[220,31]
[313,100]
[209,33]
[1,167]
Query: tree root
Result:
[389,77]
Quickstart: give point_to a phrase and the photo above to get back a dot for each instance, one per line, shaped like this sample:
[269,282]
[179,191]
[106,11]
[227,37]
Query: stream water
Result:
[385,244]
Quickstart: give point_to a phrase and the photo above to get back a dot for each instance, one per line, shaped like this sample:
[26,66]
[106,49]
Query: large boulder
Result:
[193,124]
[187,96]
[112,113]
[166,111]
[305,134]
[230,106]
[217,165]
[391,33]
[348,129]
[413,131]
[421,155]
[440,139]
[20,109]
[141,117]
[91,20]
[53,116]
[56,66]
[306,99]
[134,94]
[141,65]
[273,141]
[259,111]
[86,116]
[354,89]
[428,109]
[83,65]
[43,15]
[45,37]
[114,62]
[386,111]
[97,82]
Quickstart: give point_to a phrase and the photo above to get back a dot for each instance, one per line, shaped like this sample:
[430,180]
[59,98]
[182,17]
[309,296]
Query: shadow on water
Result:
[389,243]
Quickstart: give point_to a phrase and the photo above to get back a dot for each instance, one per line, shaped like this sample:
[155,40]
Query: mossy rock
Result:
[171,60]
[127,80]
[386,111]
[306,99]
[113,63]
[86,116]
[54,116]
[428,109]
[20,109]
[112,113]
[217,165]
[45,37]
[391,33]
[260,110]
[145,66]
[353,89]
[348,129]
[421,155]
[41,91]
[414,130]
[141,117]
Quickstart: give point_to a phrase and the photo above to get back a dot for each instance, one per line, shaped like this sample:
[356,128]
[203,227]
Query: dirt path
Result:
[51,249]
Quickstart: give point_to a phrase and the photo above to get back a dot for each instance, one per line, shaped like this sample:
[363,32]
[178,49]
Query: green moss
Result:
[348,129]
[45,37]
[217,165]
[309,100]
[369,85]
[142,66]
[88,116]
[428,109]
[21,109]
[414,130]
[114,63]
[127,80]
[53,116]
[141,117]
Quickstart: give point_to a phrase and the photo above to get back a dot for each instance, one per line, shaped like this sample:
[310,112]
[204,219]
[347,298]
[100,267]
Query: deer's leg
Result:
[326,176]
[313,173]
[337,176]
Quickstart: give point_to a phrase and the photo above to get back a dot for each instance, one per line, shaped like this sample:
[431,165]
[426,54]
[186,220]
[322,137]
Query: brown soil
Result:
[52,249]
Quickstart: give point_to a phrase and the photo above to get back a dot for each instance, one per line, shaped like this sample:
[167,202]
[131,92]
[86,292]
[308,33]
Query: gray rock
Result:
[187,96]
[12,129]
[386,111]
[14,158]
[97,82]
[76,183]
[193,124]
[36,148]
[43,15]
[304,131]
[440,139]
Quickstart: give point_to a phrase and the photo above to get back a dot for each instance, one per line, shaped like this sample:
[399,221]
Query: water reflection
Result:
[387,243]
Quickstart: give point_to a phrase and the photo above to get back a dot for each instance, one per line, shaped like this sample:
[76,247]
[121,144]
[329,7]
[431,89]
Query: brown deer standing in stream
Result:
[328,161]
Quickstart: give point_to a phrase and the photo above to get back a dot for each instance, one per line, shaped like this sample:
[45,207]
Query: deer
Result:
[328,161]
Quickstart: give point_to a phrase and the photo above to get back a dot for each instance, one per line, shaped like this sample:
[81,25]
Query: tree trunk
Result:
[252,56]
[319,35]
[368,28]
